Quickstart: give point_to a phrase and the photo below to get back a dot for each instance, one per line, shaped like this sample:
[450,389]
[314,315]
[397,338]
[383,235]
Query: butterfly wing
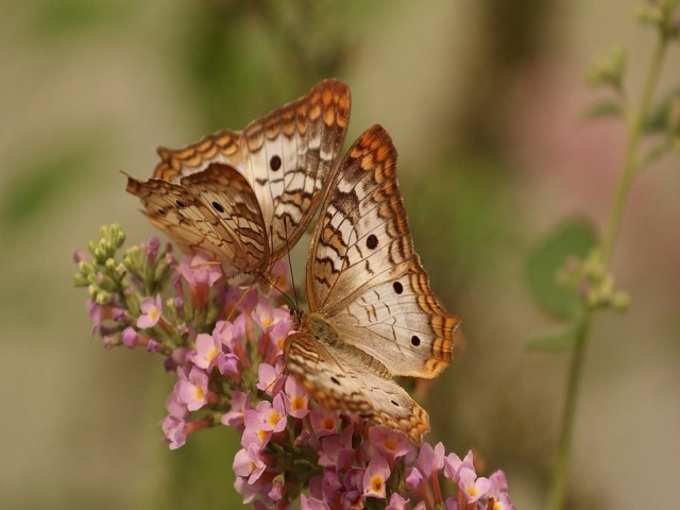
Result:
[363,274]
[344,379]
[213,212]
[286,157]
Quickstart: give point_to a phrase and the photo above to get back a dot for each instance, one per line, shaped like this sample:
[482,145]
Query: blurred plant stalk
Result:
[609,72]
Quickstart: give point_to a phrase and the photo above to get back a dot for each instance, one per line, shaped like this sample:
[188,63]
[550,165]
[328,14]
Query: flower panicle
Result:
[224,347]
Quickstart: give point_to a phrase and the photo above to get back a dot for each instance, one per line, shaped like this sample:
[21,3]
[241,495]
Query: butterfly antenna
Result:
[290,265]
[285,295]
[238,302]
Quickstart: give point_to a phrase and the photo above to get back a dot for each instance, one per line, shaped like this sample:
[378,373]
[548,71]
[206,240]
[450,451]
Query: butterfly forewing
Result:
[286,157]
[363,273]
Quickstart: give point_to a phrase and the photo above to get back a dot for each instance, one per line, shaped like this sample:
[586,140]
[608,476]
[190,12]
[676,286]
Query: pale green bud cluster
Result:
[609,69]
[596,284]
[103,274]
[661,15]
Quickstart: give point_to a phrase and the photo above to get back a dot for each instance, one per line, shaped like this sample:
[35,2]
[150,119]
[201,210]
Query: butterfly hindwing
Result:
[343,378]
[226,193]
[214,213]
[363,273]
[404,314]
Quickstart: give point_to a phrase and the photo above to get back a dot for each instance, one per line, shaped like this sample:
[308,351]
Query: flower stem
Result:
[631,163]
[560,475]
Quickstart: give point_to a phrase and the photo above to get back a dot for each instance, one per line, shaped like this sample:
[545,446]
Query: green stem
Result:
[561,474]
[631,163]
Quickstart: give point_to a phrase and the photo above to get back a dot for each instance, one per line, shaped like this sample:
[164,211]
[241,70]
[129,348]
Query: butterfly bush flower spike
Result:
[292,448]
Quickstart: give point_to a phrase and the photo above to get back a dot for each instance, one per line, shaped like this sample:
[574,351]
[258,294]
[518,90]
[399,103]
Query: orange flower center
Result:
[298,403]
[212,354]
[377,483]
[390,443]
[274,417]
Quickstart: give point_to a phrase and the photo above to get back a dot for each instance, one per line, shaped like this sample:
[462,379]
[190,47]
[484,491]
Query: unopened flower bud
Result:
[116,236]
[85,268]
[79,256]
[79,280]
[110,341]
[92,290]
[107,246]
[621,301]
[593,266]
[103,298]
[609,69]
[161,270]
[649,14]
[607,286]
[104,282]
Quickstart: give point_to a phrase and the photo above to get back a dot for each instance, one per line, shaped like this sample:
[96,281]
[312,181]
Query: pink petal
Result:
[397,502]
[145,322]
[309,503]
[243,463]
[414,478]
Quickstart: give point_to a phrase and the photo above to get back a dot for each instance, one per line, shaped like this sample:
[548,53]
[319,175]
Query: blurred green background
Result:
[484,101]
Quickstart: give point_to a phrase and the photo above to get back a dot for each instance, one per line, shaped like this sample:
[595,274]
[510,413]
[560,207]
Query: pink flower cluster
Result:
[225,347]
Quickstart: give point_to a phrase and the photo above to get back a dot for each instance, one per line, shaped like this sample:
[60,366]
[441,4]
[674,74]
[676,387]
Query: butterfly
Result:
[245,197]
[372,314]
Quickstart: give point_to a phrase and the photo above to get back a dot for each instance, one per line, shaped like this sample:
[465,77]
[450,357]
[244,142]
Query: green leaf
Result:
[554,341]
[608,107]
[574,237]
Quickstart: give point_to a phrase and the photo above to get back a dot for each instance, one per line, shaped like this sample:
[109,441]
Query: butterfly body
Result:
[316,327]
